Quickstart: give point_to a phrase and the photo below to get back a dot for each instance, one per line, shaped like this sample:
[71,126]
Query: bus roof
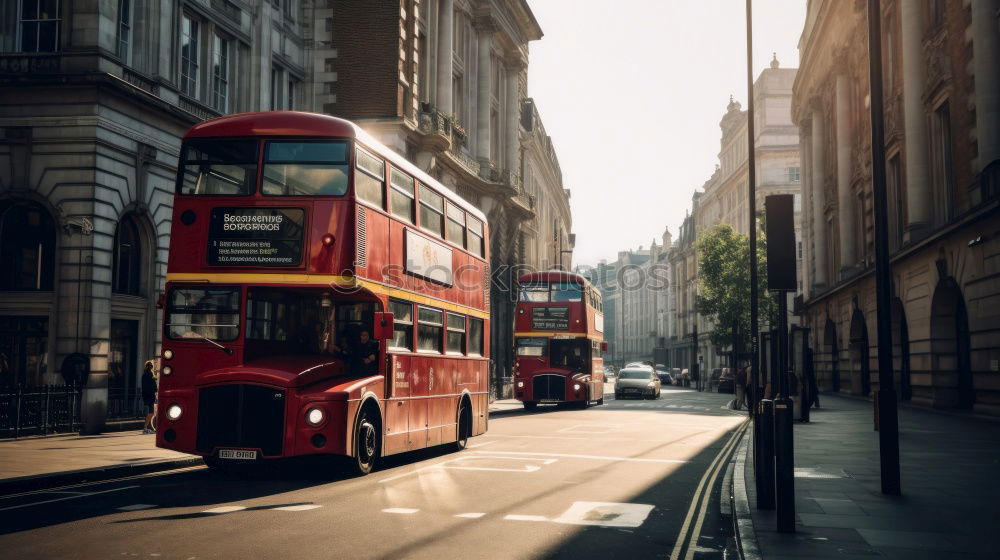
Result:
[553,276]
[301,124]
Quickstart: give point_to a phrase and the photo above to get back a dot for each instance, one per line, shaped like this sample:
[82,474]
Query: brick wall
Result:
[366,36]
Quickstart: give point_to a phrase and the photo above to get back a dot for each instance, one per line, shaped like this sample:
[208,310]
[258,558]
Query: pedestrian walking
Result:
[741,387]
[811,379]
[148,395]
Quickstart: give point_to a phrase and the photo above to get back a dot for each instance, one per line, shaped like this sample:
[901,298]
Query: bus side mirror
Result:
[604,347]
[383,326]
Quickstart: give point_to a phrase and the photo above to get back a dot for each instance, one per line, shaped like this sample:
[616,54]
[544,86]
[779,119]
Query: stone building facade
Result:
[724,197]
[444,82]
[942,146]
[94,97]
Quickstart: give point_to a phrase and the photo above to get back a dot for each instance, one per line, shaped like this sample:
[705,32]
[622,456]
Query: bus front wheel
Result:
[530,405]
[366,444]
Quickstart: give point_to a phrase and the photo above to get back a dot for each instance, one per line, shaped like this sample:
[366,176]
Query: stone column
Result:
[845,199]
[918,188]
[514,66]
[445,49]
[485,29]
[817,187]
[805,220]
[986,53]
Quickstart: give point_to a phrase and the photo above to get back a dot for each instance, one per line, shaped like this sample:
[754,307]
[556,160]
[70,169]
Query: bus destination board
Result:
[255,236]
[550,318]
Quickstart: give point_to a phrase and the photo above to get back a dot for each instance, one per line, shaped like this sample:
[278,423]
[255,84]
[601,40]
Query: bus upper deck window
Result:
[305,168]
[218,167]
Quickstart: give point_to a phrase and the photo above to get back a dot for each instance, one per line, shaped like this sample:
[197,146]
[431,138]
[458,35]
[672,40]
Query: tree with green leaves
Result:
[724,283]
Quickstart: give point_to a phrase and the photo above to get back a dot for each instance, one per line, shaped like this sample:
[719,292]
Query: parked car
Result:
[637,382]
[665,377]
[727,381]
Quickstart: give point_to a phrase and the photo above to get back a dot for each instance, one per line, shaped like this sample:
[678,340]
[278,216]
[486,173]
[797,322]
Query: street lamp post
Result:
[886,397]
[752,203]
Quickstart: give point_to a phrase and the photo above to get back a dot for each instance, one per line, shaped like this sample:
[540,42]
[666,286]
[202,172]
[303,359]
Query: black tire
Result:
[530,405]
[600,401]
[464,427]
[366,443]
[582,405]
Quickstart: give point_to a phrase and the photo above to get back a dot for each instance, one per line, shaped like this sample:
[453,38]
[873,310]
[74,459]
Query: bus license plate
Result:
[243,454]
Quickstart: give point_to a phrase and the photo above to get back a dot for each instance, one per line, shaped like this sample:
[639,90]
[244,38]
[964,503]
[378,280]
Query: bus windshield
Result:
[532,347]
[305,168]
[218,167]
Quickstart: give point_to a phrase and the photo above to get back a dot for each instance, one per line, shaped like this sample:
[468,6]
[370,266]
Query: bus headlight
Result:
[174,412]
[576,386]
[314,416]
[166,370]
[168,354]
[520,384]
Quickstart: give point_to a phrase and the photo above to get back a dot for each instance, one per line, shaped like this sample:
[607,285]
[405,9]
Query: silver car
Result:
[637,382]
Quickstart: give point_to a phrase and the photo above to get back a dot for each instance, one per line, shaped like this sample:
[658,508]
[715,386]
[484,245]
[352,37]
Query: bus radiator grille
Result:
[243,416]
[549,387]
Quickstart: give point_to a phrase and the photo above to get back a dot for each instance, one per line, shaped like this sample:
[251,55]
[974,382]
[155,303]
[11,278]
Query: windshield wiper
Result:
[217,345]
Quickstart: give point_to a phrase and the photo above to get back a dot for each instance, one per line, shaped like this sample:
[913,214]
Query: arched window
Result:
[127,276]
[27,247]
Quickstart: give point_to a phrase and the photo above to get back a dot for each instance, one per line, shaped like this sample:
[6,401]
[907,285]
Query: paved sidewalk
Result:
[950,469]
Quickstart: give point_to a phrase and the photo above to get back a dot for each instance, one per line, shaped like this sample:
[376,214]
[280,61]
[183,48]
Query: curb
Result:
[97,474]
[746,536]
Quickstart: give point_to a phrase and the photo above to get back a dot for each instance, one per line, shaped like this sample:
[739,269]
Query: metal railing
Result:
[39,410]
[125,404]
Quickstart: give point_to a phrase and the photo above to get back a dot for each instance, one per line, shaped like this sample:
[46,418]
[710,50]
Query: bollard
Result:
[765,455]
[784,473]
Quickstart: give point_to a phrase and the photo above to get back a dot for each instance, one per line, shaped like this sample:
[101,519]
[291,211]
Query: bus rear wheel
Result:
[366,444]
[464,427]
[530,405]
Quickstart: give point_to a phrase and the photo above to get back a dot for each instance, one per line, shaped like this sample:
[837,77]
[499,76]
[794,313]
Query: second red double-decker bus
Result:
[323,296]
[558,334]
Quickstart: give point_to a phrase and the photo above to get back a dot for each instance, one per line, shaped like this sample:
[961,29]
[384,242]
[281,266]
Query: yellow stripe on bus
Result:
[325,280]
[550,334]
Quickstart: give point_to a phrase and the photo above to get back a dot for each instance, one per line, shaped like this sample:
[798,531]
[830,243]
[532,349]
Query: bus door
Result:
[397,409]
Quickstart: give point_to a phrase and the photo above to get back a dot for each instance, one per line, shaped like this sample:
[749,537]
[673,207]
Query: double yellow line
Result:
[702,495]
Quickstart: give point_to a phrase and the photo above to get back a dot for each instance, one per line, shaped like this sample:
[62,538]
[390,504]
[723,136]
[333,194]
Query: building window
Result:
[127,271]
[27,247]
[24,349]
[39,26]
[189,56]
[124,29]
[897,203]
[941,161]
[794,175]
[290,93]
[220,74]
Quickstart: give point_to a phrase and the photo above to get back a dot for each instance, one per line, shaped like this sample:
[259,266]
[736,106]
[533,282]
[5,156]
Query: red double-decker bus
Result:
[558,333]
[323,296]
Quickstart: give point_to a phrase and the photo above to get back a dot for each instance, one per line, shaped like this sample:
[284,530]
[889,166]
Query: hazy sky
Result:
[632,92]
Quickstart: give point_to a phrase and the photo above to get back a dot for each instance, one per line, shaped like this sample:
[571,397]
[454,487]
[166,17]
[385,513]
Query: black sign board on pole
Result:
[780,228]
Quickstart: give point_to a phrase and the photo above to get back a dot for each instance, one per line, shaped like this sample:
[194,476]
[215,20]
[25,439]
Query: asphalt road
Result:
[636,479]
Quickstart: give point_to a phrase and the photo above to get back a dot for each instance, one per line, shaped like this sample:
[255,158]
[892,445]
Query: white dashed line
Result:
[136,507]
[470,515]
[400,510]
[598,457]
[526,518]
[300,507]
[225,509]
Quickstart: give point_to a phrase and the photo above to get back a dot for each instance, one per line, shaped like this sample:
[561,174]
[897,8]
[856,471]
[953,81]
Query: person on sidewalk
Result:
[811,379]
[741,388]
[148,395]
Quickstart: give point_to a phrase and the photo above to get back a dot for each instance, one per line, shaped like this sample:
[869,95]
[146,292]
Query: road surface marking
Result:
[225,509]
[400,510]
[682,536]
[526,518]
[136,507]
[87,495]
[470,515]
[475,445]
[300,507]
[592,428]
[101,482]
[597,457]
[605,514]
[522,468]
